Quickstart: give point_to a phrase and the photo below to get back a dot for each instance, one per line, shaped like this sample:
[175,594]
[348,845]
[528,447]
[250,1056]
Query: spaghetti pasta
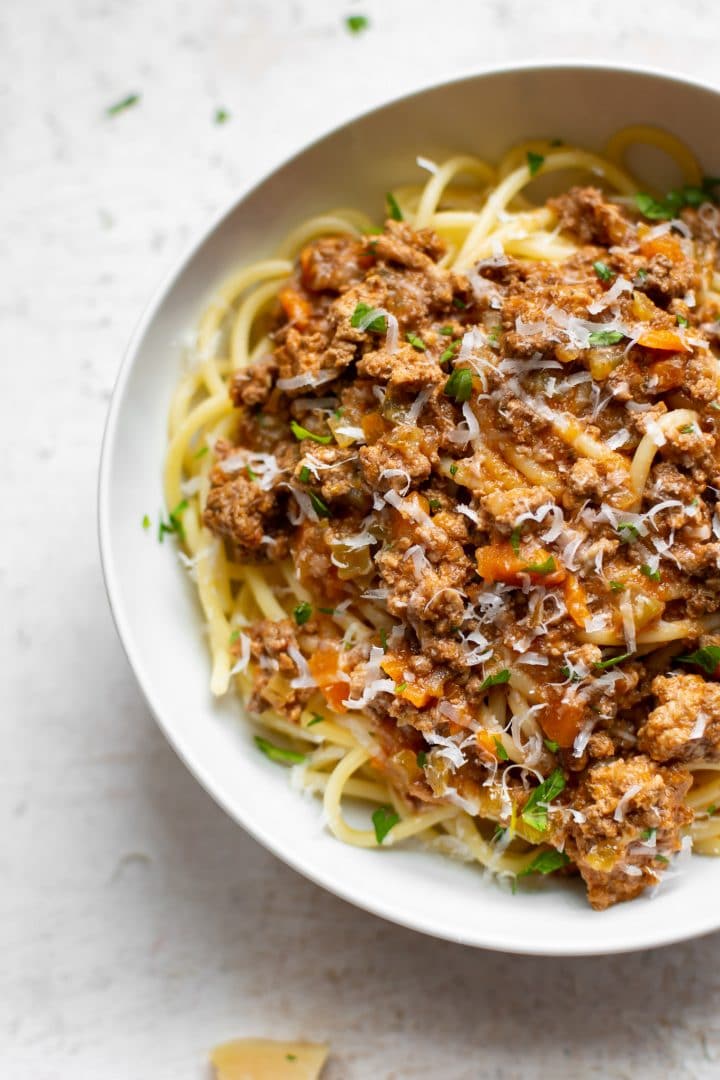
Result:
[464,729]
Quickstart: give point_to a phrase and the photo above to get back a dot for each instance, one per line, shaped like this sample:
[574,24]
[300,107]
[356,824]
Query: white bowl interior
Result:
[154,603]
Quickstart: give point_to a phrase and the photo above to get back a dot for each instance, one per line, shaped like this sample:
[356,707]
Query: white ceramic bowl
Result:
[154,603]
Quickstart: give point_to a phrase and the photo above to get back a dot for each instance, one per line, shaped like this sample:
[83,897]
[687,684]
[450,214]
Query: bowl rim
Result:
[671,933]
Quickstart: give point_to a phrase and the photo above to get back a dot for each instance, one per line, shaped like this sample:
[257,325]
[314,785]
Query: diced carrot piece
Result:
[575,601]
[374,426]
[323,664]
[562,722]
[643,307]
[670,373]
[667,340]
[405,526]
[393,667]
[335,694]
[486,742]
[297,307]
[419,693]
[663,245]
[498,562]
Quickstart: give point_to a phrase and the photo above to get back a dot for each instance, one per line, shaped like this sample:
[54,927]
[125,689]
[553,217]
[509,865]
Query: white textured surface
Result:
[138,925]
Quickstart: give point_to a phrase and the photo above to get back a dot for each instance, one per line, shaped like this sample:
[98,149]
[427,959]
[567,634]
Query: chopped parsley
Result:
[541,568]
[383,638]
[459,385]
[277,753]
[601,665]
[534,161]
[304,475]
[449,352]
[421,758]
[201,452]
[447,331]
[711,808]
[536,815]
[357,23]
[605,337]
[316,719]
[662,859]
[515,539]
[545,863]
[146,522]
[551,745]
[459,303]
[377,324]
[708,658]
[501,751]
[682,321]
[500,831]
[235,636]
[434,504]
[174,522]
[453,469]
[393,208]
[648,834]
[648,571]
[251,473]
[642,274]
[498,679]
[400,687]
[302,613]
[651,208]
[571,675]
[291,1057]
[221,116]
[416,342]
[629,533]
[677,199]
[616,586]
[302,433]
[319,505]
[494,335]
[384,819]
[603,271]
[121,106]
[687,429]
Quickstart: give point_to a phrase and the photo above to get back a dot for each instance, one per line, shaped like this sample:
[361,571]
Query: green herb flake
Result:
[545,567]
[687,429]
[601,665]
[416,342]
[648,571]
[545,863]
[447,331]
[235,636]
[393,208]
[421,758]
[714,405]
[304,475]
[603,271]
[460,384]
[221,116]
[571,675]
[711,809]
[201,452]
[302,613]
[121,106]
[377,324]
[605,337]
[515,539]
[277,753]
[291,1057]
[629,533]
[536,815]
[651,208]
[642,274]
[453,470]
[459,303]
[251,473]
[708,658]
[662,859]
[534,162]
[551,745]
[320,507]
[316,719]
[383,639]
[499,679]
[500,831]
[616,586]
[648,834]
[357,23]
[400,687]
[301,433]
[449,352]
[174,522]
[384,819]
[434,504]
[146,522]
[682,321]
[501,751]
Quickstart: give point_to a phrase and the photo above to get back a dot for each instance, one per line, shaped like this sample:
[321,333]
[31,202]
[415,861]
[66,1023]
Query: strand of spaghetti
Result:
[618,145]
[248,311]
[659,632]
[230,292]
[518,155]
[218,624]
[201,416]
[434,188]
[536,473]
[317,782]
[515,181]
[498,862]
[337,223]
[648,448]
[263,596]
[366,838]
